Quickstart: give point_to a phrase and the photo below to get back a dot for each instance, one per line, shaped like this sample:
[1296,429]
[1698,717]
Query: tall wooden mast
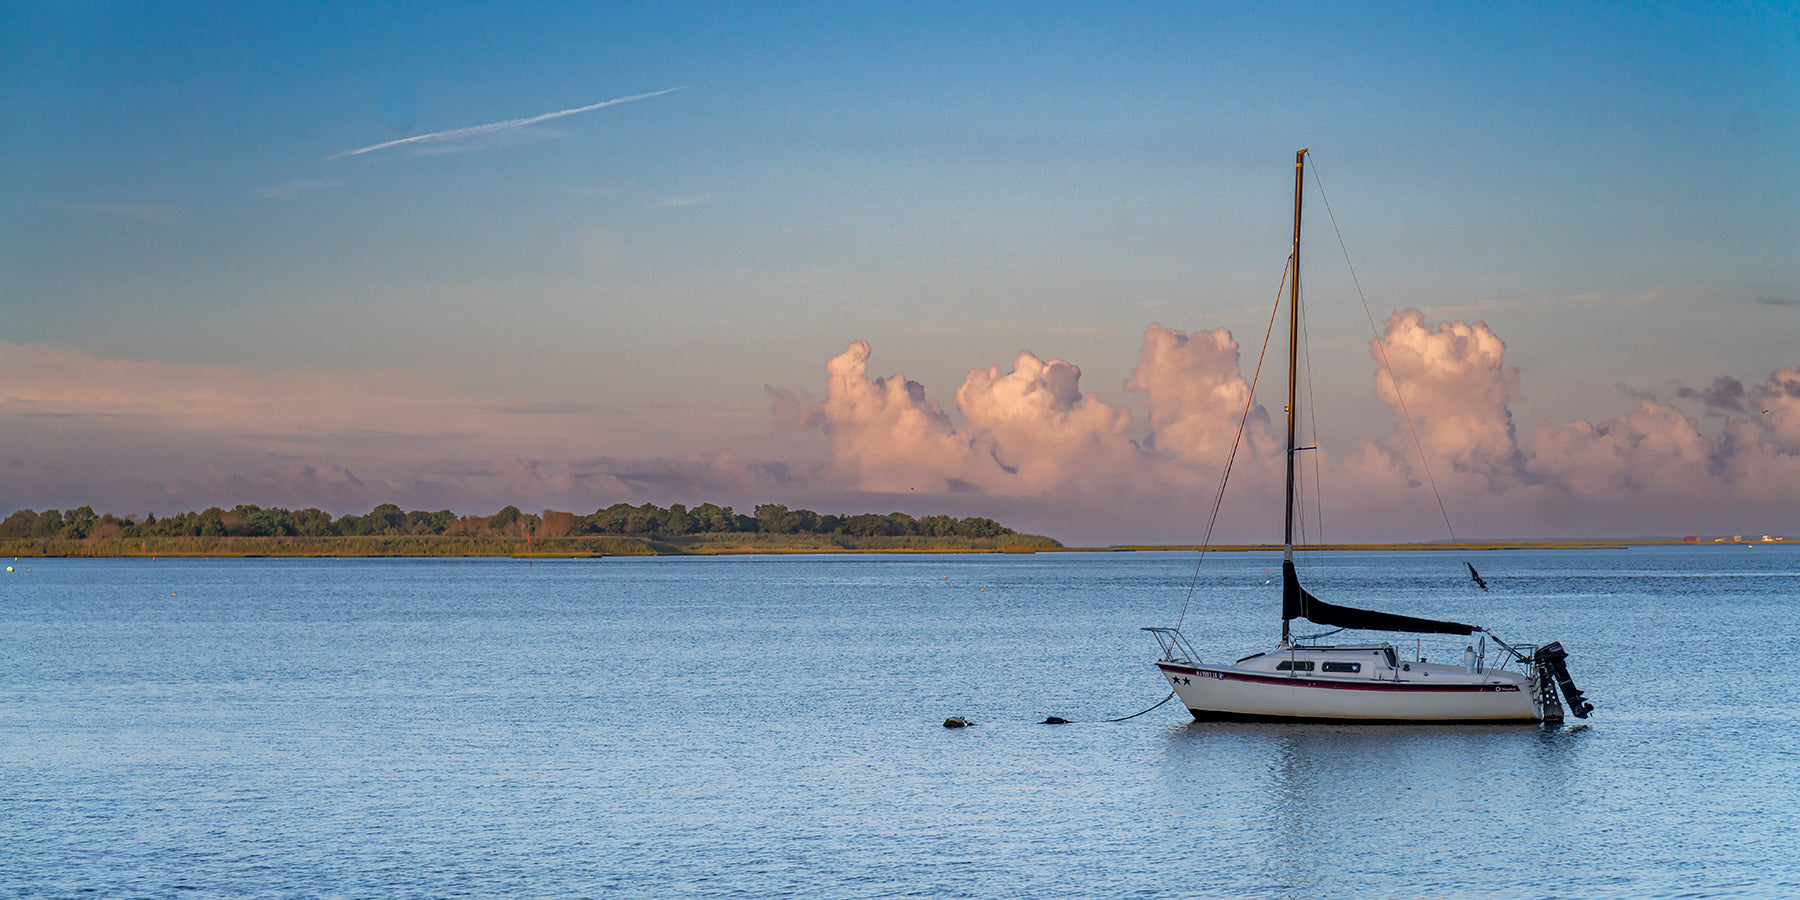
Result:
[1293,398]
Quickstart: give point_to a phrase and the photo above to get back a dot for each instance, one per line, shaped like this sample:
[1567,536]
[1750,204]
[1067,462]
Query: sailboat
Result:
[1303,680]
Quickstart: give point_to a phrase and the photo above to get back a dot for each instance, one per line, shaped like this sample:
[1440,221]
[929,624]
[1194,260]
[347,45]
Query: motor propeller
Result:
[1554,657]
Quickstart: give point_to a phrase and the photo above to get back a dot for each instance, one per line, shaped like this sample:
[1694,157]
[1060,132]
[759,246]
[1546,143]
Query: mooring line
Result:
[1136,714]
[964,721]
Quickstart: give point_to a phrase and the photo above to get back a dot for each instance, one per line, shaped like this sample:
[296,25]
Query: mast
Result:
[1293,399]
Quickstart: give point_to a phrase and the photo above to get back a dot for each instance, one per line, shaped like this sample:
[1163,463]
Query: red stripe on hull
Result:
[1207,715]
[1401,686]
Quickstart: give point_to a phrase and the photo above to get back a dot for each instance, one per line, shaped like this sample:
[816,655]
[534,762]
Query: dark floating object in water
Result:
[1476,575]
[957,722]
[1056,720]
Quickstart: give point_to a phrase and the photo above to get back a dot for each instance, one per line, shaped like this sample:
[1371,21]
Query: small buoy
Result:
[957,722]
[9,568]
[1056,720]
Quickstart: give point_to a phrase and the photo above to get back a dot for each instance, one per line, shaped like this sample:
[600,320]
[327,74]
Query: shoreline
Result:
[445,546]
[594,547]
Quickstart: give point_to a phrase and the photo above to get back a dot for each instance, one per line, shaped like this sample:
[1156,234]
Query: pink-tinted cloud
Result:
[1779,408]
[1195,393]
[885,432]
[1041,429]
[135,435]
[1031,431]
[1653,449]
[1649,470]
[1026,432]
[281,408]
[1453,381]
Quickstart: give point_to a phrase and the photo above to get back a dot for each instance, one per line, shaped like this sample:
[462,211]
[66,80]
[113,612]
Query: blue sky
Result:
[1609,189]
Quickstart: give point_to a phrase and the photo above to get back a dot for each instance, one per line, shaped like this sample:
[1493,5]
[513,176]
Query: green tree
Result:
[312,522]
[980,528]
[611,520]
[869,525]
[79,522]
[49,524]
[645,519]
[774,518]
[677,521]
[714,519]
[388,519]
[255,521]
[19,524]
[419,521]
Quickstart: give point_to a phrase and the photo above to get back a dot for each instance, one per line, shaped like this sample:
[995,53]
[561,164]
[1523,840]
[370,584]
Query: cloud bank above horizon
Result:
[1025,444]
[1033,433]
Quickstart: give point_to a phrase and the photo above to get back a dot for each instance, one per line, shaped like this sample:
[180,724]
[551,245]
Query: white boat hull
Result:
[1430,694]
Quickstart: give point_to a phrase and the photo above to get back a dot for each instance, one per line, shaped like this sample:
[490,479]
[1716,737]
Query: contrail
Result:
[491,127]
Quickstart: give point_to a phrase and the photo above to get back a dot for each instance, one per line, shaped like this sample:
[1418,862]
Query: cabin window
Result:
[1342,667]
[1294,665]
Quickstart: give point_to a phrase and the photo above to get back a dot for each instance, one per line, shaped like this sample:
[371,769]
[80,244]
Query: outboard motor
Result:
[1554,658]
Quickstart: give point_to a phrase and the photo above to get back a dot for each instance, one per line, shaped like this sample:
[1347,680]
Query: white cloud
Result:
[1651,450]
[1454,382]
[889,435]
[1042,430]
[1196,394]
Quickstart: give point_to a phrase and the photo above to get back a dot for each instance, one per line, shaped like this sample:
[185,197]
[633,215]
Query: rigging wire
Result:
[1236,441]
[1300,472]
[1381,346]
[1312,423]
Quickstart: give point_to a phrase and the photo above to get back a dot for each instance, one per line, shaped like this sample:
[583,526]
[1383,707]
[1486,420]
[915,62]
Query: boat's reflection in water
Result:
[1311,803]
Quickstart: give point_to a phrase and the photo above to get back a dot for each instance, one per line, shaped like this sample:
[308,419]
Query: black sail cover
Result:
[1296,603]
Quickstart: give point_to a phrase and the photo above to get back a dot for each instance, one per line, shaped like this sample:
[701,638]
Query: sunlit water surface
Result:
[767,726]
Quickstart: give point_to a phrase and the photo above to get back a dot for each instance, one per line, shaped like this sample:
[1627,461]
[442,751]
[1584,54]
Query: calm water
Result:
[760,727]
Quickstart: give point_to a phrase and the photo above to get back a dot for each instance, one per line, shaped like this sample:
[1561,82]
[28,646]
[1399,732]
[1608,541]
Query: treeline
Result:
[388,519]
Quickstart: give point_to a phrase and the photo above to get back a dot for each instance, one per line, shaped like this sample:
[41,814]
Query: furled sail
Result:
[1296,603]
